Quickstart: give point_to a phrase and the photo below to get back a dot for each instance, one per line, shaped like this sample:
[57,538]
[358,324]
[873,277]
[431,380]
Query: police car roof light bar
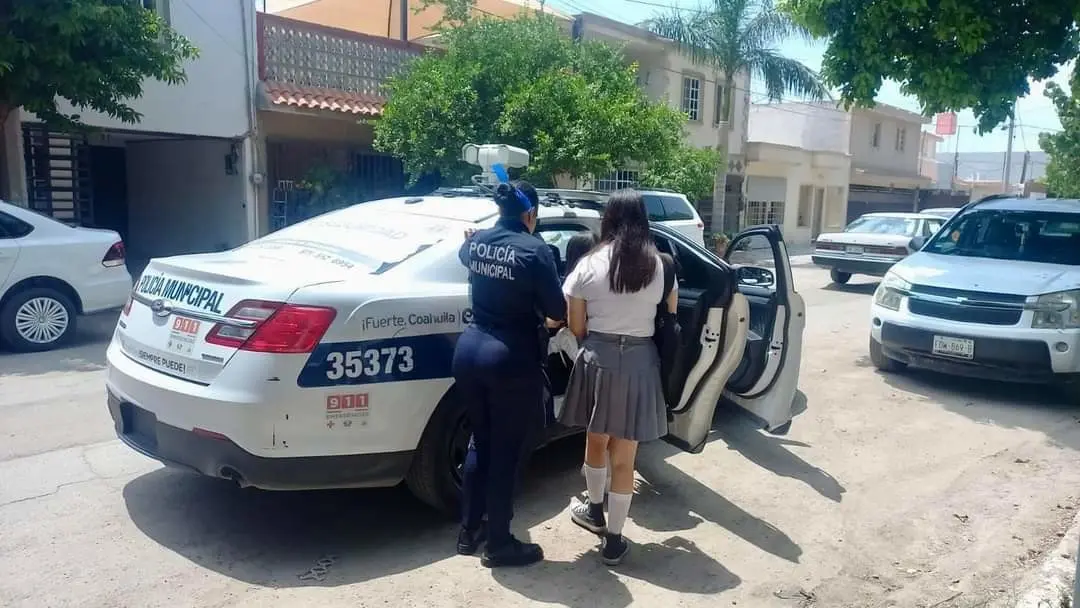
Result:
[486,156]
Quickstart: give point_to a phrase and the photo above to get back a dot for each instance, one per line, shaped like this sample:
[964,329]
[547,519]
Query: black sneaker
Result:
[511,554]
[469,541]
[615,549]
[588,515]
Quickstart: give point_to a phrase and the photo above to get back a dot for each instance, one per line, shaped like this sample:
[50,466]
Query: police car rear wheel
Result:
[439,463]
[37,319]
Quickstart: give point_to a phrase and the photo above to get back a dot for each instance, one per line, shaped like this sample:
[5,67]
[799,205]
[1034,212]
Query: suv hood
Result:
[987,274]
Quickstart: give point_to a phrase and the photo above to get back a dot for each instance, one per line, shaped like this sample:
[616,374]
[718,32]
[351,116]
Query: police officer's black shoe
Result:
[512,553]
[588,515]
[468,541]
[615,549]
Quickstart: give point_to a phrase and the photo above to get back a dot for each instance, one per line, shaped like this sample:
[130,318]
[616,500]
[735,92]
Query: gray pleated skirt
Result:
[615,388]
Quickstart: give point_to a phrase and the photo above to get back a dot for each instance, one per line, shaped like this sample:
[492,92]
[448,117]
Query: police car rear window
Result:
[369,241]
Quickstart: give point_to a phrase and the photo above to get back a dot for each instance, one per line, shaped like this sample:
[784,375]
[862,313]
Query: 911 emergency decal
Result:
[377,361]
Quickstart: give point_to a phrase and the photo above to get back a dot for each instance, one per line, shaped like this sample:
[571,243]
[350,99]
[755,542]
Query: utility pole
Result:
[1008,155]
[956,160]
[1024,169]
[404,8]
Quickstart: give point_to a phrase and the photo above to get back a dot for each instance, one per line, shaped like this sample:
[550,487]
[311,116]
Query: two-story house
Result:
[178,181]
[798,169]
[885,158]
[667,75]
[884,144]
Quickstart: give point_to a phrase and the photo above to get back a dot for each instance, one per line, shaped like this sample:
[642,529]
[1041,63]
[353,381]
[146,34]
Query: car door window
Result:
[12,227]
[676,208]
[558,237]
[654,205]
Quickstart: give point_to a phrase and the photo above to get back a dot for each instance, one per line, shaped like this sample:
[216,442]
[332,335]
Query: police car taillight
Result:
[279,327]
[127,305]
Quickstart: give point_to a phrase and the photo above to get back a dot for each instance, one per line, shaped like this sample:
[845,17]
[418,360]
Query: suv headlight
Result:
[1060,310]
[891,291]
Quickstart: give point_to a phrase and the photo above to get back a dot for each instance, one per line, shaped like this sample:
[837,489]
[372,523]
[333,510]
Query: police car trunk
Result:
[240,363]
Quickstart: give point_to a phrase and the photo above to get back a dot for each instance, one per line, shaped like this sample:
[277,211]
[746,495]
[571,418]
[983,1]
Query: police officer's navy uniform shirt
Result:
[514,282]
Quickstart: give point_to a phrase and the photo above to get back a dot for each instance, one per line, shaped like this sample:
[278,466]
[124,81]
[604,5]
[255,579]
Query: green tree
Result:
[575,106]
[952,55]
[1063,170]
[731,37]
[93,53]
[688,170]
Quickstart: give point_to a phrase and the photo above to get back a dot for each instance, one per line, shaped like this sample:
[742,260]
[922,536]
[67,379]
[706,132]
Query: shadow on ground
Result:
[866,289]
[289,539]
[85,353]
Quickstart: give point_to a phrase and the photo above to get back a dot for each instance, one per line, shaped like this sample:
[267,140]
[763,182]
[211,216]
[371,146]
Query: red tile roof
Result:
[285,94]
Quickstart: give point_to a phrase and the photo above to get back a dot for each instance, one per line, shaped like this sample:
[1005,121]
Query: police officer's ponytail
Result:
[516,198]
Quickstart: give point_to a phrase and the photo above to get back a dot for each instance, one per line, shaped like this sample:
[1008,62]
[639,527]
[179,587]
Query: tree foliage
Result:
[93,53]
[949,54]
[688,170]
[1063,149]
[575,106]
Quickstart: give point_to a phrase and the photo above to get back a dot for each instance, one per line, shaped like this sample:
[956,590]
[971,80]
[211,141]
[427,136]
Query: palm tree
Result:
[740,36]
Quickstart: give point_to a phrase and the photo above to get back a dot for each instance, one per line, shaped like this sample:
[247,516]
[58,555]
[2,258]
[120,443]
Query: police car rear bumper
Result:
[217,456]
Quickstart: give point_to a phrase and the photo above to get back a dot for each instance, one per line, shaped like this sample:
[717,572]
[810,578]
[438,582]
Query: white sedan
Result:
[50,273]
[319,356]
[872,243]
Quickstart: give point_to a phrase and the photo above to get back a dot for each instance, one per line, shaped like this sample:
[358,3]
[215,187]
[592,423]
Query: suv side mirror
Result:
[917,243]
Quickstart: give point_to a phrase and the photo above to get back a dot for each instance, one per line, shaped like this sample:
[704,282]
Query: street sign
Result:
[945,123]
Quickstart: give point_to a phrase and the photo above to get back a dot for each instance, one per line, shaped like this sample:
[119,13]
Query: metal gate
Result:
[58,181]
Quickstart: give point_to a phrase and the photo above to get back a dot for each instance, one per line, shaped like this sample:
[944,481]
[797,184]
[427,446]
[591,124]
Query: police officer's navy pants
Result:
[503,392]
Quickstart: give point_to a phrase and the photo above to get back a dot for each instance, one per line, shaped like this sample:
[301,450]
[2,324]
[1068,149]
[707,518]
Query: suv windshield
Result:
[876,224]
[1030,236]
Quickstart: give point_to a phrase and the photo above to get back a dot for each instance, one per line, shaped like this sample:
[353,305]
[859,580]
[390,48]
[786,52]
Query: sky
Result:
[1034,113]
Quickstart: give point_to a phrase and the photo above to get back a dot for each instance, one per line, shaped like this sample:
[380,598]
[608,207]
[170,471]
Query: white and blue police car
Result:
[319,356]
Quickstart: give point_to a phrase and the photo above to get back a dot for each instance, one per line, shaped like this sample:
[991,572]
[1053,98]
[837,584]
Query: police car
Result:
[319,356]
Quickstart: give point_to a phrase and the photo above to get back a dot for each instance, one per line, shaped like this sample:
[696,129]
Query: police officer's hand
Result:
[469,232]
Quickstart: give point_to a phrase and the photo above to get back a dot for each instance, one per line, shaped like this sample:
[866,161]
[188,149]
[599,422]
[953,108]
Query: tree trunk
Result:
[5,185]
[719,211]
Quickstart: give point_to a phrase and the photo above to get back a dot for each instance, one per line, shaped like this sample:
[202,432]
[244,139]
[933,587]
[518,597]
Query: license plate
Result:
[960,348]
[854,249]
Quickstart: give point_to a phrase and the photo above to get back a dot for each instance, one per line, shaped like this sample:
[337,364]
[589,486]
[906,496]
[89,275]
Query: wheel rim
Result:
[41,320]
[459,449]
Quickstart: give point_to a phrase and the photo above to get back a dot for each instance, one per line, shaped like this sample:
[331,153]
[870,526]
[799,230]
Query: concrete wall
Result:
[928,162]
[885,155]
[807,126]
[213,102]
[180,200]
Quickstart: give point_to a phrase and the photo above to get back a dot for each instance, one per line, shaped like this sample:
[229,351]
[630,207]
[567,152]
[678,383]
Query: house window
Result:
[721,109]
[901,136]
[160,7]
[763,212]
[691,97]
[806,194]
[875,137]
[618,180]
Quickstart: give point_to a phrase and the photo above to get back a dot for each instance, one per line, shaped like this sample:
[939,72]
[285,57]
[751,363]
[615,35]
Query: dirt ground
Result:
[910,490]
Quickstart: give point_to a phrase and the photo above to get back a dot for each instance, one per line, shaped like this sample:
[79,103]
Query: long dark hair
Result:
[508,198]
[577,247]
[625,226]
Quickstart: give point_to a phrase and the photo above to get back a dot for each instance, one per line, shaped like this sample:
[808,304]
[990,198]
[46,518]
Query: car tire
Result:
[881,361]
[840,278]
[431,476]
[56,310]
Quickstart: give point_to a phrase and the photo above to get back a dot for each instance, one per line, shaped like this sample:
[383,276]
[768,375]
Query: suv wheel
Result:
[881,361]
[37,319]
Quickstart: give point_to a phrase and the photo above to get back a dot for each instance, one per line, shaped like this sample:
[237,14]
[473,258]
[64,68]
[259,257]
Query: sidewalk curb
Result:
[1052,585]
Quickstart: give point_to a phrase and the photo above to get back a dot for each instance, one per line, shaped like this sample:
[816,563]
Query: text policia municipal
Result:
[175,290]
[495,261]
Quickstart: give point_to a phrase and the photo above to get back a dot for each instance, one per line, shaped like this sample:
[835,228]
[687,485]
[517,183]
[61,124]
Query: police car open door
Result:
[742,326]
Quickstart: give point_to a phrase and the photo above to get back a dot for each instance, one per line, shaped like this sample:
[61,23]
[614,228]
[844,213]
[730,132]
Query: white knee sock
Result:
[595,480]
[618,509]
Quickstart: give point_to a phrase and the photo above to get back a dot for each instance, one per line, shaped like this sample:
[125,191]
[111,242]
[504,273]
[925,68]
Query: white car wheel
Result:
[41,320]
[37,319]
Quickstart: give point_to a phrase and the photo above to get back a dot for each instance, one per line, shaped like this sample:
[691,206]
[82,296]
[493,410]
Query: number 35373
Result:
[371,362]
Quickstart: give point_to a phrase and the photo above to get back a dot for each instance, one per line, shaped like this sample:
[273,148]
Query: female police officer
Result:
[498,367]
